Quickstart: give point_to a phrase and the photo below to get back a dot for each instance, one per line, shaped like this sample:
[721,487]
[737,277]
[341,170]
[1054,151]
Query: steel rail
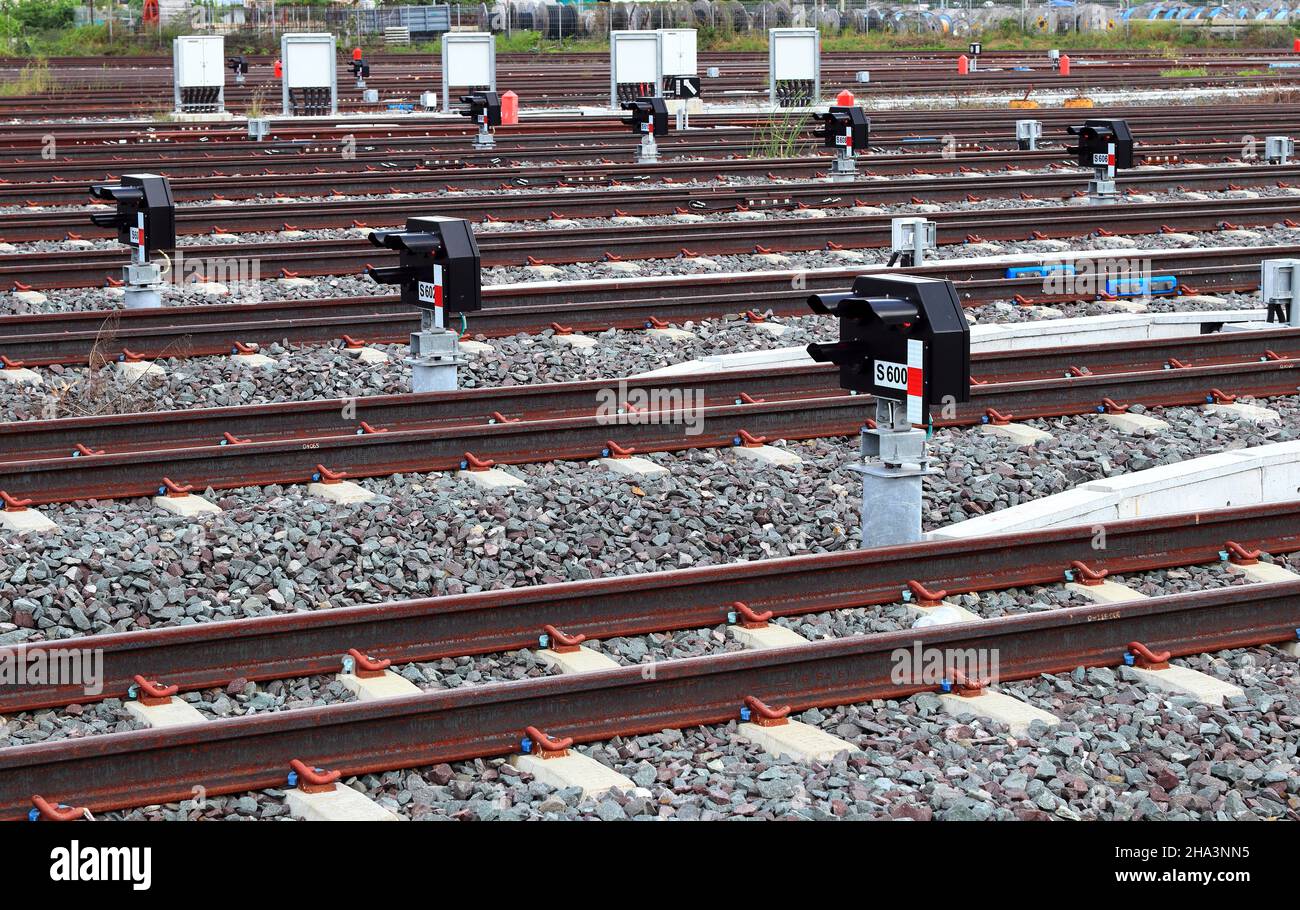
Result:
[118,770]
[591,165]
[41,339]
[398,450]
[68,337]
[615,196]
[313,642]
[585,244]
[302,420]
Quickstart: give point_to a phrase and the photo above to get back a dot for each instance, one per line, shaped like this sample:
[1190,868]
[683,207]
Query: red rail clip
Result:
[173,489]
[52,813]
[966,687]
[366,667]
[12,503]
[562,643]
[1088,576]
[1240,556]
[1147,659]
[749,619]
[1110,407]
[654,322]
[232,440]
[325,475]
[368,430]
[561,329]
[476,464]
[83,450]
[763,715]
[617,451]
[10,364]
[749,440]
[747,398]
[153,693]
[313,780]
[547,747]
[924,596]
[243,349]
[751,316]
[996,418]
[1221,397]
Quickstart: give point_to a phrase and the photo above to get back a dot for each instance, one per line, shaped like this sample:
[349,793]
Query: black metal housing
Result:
[649,115]
[149,194]
[1095,137]
[877,319]
[480,105]
[429,241]
[845,126]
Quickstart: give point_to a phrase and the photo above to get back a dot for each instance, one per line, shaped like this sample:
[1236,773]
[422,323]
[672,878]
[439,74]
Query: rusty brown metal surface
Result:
[301,644]
[249,753]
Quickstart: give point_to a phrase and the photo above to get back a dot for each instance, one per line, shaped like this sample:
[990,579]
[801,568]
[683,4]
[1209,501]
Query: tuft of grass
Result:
[780,136]
[1184,72]
[33,79]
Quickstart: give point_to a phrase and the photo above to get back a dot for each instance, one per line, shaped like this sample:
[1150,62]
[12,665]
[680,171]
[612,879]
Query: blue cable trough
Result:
[1040,271]
[1142,285]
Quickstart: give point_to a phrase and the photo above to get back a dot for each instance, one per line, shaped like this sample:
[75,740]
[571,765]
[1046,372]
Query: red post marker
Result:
[356,53]
[845,99]
[509,108]
[1063,65]
[963,65]
[279,70]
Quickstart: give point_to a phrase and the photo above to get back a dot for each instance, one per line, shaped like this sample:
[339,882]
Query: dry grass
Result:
[103,391]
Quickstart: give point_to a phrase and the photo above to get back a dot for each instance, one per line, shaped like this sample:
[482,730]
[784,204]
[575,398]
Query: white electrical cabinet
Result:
[469,60]
[309,64]
[794,66]
[635,65]
[677,50]
[199,74]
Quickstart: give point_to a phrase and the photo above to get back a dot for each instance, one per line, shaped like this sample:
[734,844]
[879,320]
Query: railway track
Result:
[90,268]
[613,191]
[629,303]
[249,753]
[457,430]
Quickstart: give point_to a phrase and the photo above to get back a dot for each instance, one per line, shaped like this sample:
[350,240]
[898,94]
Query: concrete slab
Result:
[34,298]
[623,268]
[702,262]
[1291,648]
[373,688]
[770,328]
[1000,707]
[138,369]
[1108,592]
[575,341]
[187,506]
[176,713]
[1249,412]
[561,223]
[687,217]
[1265,572]
[1182,681]
[368,355]
[545,271]
[799,741]
[475,347]
[671,334]
[20,376]
[772,258]
[25,521]
[1135,424]
[344,493]
[491,479]
[296,282]
[941,615]
[770,636]
[1019,433]
[342,804]
[583,660]
[1128,306]
[252,361]
[633,466]
[208,288]
[768,455]
[627,219]
[573,770]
